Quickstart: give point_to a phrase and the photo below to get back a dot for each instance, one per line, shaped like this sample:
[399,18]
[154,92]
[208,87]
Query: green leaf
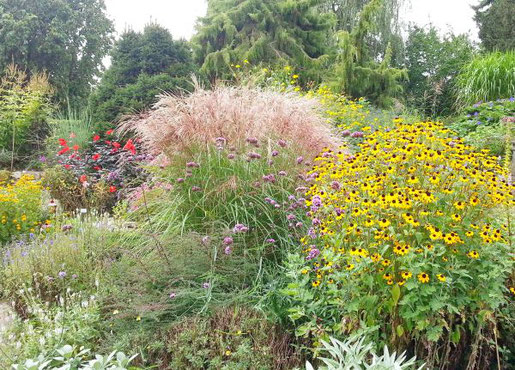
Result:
[399,330]
[396,294]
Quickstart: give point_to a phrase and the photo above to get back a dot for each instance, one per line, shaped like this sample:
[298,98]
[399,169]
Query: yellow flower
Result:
[441,277]
[138,318]
[473,254]
[423,277]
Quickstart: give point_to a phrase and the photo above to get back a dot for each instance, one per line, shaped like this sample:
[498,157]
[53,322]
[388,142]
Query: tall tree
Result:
[357,71]
[67,39]
[143,65]
[387,23]
[433,62]
[260,31]
[495,19]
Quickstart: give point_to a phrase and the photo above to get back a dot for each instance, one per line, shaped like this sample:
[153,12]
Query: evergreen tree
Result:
[357,72]
[143,65]
[496,21]
[387,24]
[260,31]
[67,39]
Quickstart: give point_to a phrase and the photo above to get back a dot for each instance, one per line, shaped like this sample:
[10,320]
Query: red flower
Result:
[116,145]
[75,147]
[130,146]
[97,168]
[63,150]
[109,132]
[96,138]
[83,178]
[62,142]
[112,189]
[108,142]
[67,166]
[96,157]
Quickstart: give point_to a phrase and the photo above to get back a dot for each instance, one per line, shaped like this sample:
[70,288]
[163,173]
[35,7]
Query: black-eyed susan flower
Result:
[423,277]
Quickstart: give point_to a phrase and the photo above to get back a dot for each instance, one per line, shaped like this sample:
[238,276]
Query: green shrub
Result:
[486,78]
[481,125]
[235,337]
[24,110]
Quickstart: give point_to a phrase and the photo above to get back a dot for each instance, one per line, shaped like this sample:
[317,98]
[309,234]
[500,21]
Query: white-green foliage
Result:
[355,354]
[67,358]
[74,320]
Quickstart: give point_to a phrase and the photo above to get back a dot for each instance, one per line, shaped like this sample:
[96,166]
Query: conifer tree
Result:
[496,21]
[260,31]
[143,65]
[357,72]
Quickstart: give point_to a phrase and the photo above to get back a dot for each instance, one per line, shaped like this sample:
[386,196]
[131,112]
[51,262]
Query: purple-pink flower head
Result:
[240,228]
[300,159]
[231,155]
[270,240]
[196,188]
[281,143]
[275,153]
[220,140]
[290,217]
[335,185]
[313,253]
[269,178]
[62,274]
[205,240]
[252,140]
[180,180]
[253,155]
[206,285]
[282,173]
[228,240]
[173,295]
[357,134]
[192,164]
[228,250]
[346,133]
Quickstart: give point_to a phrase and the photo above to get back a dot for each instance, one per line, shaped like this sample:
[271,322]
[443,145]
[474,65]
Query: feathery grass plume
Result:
[180,123]
[487,77]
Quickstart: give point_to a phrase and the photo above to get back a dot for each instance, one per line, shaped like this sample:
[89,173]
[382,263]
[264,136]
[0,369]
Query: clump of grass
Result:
[182,123]
[233,337]
[487,77]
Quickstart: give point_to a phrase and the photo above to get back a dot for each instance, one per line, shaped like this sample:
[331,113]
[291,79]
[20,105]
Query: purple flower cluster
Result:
[313,253]
[269,178]
[240,228]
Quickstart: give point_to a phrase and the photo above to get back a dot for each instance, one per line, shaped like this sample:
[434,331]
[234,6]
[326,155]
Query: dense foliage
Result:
[143,65]
[433,61]
[356,70]
[67,39]
[24,111]
[260,31]
[495,21]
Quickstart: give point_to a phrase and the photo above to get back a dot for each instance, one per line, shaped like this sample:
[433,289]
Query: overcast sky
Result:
[179,15]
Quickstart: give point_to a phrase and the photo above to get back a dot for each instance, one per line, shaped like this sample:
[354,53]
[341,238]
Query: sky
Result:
[179,15]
